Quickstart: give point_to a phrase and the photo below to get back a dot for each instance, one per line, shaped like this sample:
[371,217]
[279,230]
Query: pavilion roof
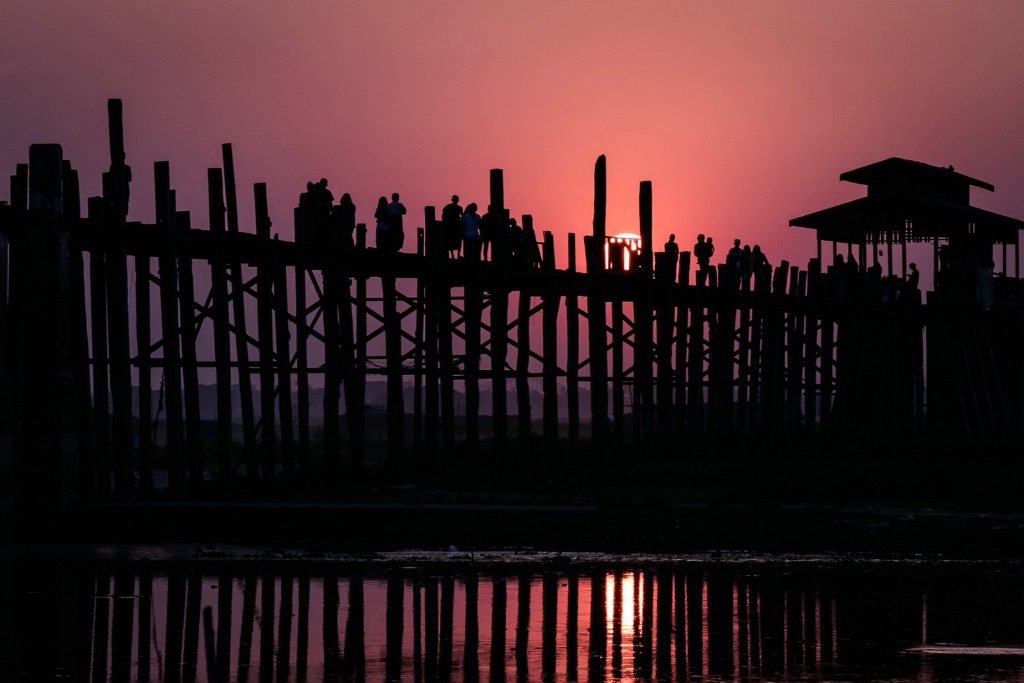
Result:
[927,201]
[892,211]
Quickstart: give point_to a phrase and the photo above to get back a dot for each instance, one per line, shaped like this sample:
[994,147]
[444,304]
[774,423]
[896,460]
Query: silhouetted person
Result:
[746,267]
[712,271]
[346,221]
[471,233]
[732,263]
[451,222]
[395,212]
[761,267]
[383,225]
[914,278]
[672,249]
[703,256]
[488,231]
[515,240]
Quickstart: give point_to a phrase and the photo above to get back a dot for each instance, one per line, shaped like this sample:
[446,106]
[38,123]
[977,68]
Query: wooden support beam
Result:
[283,356]
[597,335]
[265,267]
[116,187]
[171,383]
[98,213]
[572,348]
[552,300]
[189,365]
[222,334]
[238,316]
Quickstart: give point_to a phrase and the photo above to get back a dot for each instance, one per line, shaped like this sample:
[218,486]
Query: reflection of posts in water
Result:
[267,600]
[224,614]
[284,629]
[645,653]
[353,661]
[499,606]
[597,647]
[523,628]
[417,630]
[430,639]
[175,627]
[101,628]
[617,624]
[124,620]
[446,639]
[394,625]
[471,654]
[246,627]
[663,645]
[332,646]
[549,623]
[572,608]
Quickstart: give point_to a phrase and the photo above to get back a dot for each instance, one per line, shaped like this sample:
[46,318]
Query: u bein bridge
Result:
[107,327]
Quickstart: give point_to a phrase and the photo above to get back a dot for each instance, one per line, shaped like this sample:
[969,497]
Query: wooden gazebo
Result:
[910,201]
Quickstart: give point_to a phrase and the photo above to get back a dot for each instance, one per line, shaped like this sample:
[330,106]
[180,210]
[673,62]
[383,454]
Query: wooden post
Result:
[283,361]
[301,337]
[145,385]
[618,370]
[393,350]
[418,350]
[171,383]
[811,348]
[356,400]
[572,348]
[221,330]
[664,328]
[473,309]
[45,462]
[695,363]
[332,355]
[116,187]
[600,202]
[643,392]
[78,333]
[552,300]
[524,405]
[499,315]
[597,333]
[436,251]
[189,367]
[681,293]
[265,276]
[238,314]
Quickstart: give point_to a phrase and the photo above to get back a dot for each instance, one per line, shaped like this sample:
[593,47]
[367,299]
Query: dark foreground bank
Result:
[958,505]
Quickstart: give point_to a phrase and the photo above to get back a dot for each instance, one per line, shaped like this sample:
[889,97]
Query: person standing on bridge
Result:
[451,226]
[471,233]
[383,225]
[395,212]
[702,253]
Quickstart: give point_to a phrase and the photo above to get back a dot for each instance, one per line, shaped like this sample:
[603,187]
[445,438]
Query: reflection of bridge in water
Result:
[96,372]
[669,622]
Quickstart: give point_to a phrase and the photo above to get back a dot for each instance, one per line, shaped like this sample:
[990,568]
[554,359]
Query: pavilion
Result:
[910,201]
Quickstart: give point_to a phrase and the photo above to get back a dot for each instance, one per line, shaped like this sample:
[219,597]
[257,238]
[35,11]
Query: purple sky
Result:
[742,114]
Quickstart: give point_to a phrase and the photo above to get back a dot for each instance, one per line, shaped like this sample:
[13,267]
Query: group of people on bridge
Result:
[742,264]
[461,233]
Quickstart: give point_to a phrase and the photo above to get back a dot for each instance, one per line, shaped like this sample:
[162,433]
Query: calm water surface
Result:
[615,620]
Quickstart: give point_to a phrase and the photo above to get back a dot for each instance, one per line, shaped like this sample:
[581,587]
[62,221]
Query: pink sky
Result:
[742,114]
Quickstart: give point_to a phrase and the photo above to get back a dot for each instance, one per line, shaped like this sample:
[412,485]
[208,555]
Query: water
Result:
[527,618]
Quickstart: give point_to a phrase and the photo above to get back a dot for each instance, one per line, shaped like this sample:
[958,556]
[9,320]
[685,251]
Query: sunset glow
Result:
[742,116]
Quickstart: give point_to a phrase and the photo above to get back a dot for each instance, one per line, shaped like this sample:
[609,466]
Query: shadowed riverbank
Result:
[895,504]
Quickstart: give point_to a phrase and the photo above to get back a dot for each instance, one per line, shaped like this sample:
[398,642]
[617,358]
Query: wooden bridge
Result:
[108,329]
